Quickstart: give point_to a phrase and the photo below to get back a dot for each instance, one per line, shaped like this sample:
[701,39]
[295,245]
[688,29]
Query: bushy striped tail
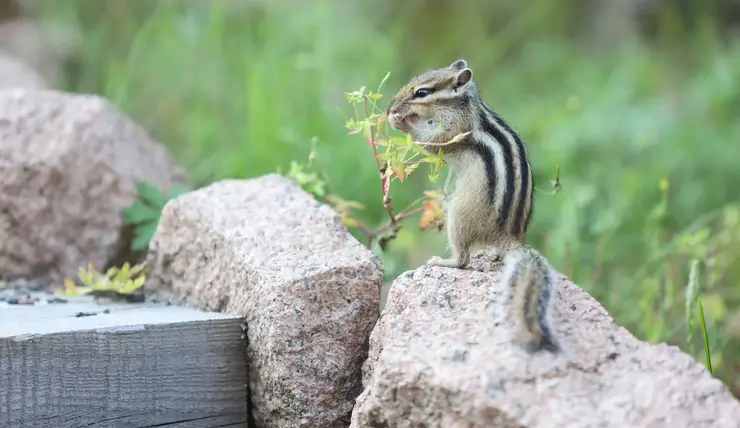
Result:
[529,277]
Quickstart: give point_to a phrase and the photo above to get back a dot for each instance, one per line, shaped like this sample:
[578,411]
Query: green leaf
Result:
[140,242]
[86,276]
[140,213]
[150,193]
[143,235]
[410,168]
[134,284]
[112,271]
[123,274]
[146,213]
[177,190]
[137,269]
[705,335]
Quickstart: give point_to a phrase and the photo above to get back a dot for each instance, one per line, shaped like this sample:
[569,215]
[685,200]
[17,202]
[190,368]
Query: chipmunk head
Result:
[435,105]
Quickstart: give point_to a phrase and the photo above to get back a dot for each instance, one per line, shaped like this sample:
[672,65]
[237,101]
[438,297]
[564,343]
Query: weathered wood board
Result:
[139,365]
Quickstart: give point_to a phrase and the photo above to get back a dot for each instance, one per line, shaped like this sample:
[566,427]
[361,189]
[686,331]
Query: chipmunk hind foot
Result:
[452,262]
[459,259]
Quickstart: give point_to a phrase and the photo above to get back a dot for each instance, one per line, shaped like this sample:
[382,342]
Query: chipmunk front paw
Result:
[449,262]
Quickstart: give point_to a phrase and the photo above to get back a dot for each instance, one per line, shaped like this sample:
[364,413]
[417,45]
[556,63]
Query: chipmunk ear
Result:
[459,64]
[463,78]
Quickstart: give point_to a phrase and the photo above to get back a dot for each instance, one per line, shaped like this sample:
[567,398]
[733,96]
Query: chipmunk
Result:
[492,200]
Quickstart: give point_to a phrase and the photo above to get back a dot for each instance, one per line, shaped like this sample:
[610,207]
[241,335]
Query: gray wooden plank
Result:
[17,320]
[137,366]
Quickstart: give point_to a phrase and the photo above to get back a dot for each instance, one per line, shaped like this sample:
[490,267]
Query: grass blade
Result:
[704,332]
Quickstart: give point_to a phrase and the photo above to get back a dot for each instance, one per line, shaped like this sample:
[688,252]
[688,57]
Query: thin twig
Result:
[409,213]
[381,170]
[456,139]
[393,224]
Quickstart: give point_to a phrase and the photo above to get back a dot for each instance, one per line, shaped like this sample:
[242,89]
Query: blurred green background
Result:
[638,101]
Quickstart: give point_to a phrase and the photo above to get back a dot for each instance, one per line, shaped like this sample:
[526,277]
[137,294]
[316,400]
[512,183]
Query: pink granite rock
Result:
[443,355]
[68,166]
[309,291]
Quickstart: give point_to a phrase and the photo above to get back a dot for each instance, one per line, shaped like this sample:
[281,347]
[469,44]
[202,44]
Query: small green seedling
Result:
[123,281]
[144,214]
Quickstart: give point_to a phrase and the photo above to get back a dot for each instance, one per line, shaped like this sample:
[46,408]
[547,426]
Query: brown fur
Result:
[471,220]
[453,117]
[474,216]
[529,278]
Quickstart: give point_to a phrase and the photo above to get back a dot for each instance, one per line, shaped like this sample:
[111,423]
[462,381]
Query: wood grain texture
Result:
[133,367]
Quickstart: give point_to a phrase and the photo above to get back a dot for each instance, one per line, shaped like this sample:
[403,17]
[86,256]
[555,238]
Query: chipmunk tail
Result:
[529,277]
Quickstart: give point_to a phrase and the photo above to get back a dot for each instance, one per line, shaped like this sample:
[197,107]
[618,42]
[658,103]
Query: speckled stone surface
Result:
[443,355]
[266,250]
[68,166]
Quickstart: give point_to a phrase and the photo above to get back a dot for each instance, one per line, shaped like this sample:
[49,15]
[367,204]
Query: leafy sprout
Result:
[145,213]
[124,280]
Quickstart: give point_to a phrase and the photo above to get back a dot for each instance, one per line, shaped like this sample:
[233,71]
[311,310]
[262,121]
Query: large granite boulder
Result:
[443,355]
[68,166]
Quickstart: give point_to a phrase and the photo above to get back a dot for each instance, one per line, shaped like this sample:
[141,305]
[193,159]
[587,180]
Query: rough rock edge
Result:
[184,291]
[388,357]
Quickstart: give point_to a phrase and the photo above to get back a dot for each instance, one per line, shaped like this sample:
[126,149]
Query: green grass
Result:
[646,135]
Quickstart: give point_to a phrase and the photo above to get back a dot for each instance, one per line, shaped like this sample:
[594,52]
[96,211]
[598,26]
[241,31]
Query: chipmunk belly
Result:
[471,201]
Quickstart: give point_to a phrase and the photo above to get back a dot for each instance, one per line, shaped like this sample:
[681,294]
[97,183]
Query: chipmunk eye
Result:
[421,93]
